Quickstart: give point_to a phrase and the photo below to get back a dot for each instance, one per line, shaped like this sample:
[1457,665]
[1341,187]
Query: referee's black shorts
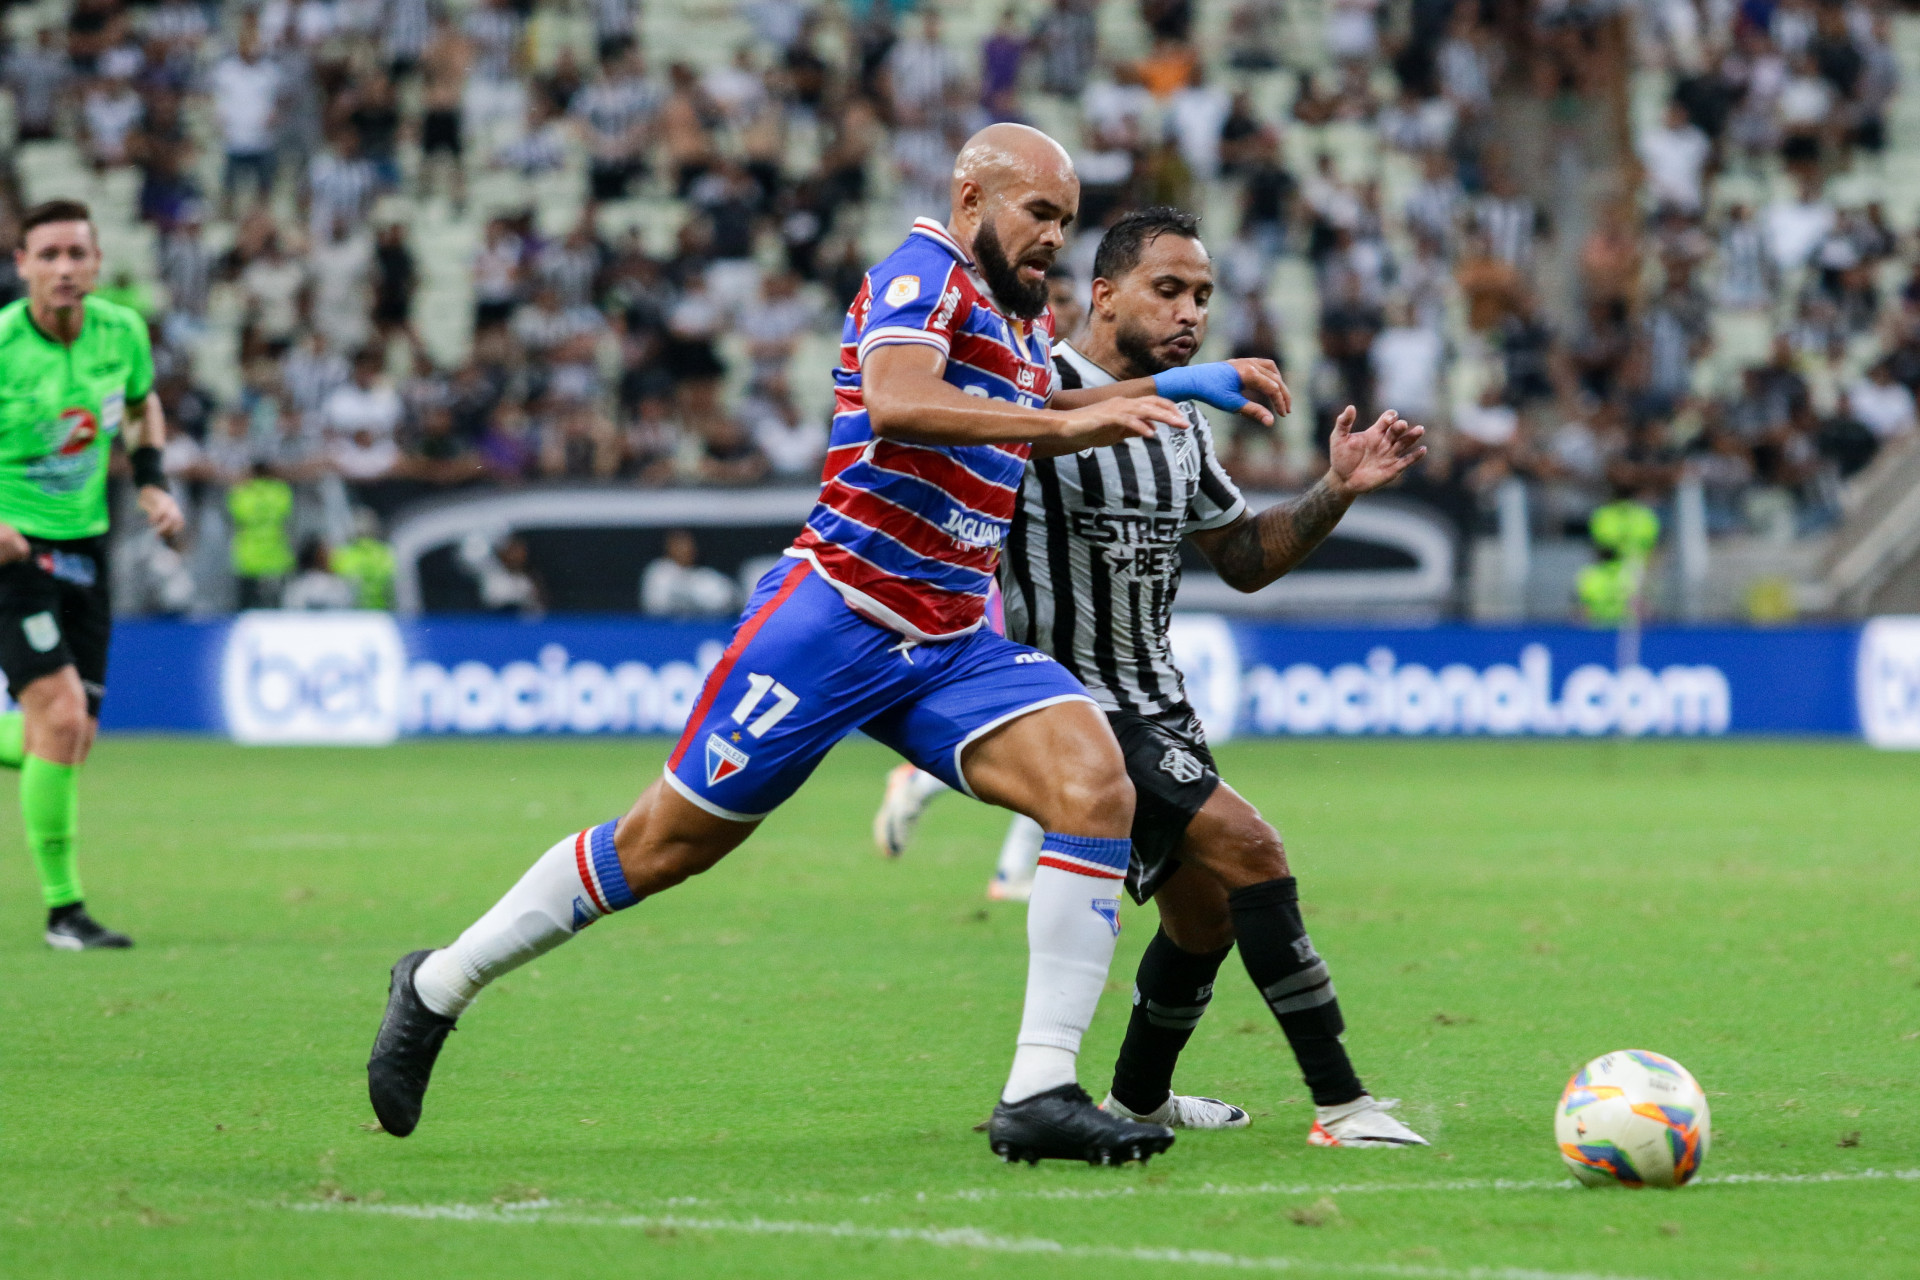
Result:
[55,612]
[1173,777]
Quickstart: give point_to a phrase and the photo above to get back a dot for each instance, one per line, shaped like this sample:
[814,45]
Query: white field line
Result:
[541,1212]
[1369,1188]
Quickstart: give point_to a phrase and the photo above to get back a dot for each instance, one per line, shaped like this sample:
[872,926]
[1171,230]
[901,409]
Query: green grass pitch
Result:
[776,1070]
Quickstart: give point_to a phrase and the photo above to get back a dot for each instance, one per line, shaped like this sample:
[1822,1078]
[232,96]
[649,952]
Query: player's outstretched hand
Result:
[1372,459]
[1263,376]
[1222,384]
[1108,422]
[161,511]
[13,545]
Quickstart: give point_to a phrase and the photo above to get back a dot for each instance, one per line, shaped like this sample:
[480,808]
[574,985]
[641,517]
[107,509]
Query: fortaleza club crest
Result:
[723,759]
[1108,909]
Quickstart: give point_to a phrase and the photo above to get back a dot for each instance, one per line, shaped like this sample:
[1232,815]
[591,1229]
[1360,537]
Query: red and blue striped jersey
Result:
[910,534]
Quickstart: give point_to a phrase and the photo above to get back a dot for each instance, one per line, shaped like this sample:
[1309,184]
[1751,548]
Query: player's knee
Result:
[1093,803]
[1248,852]
[58,727]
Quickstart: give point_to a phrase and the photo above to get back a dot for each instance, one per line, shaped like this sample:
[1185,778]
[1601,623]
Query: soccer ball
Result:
[1633,1119]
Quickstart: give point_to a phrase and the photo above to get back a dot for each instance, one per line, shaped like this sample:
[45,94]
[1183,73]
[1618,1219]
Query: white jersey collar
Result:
[1091,374]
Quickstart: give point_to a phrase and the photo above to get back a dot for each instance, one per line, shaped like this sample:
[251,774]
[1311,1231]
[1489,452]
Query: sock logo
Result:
[723,759]
[581,916]
[1303,950]
[1108,909]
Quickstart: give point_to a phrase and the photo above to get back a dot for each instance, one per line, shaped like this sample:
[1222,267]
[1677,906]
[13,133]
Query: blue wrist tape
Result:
[1216,384]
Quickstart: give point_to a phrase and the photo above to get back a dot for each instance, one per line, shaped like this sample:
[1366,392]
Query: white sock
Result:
[924,787]
[572,885]
[1020,850]
[1073,921]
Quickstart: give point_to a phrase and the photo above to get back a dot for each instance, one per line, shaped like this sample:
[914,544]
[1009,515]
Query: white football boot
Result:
[1019,854]
[1001,889]
[1180,1111]
[908,791]
[1364,1122]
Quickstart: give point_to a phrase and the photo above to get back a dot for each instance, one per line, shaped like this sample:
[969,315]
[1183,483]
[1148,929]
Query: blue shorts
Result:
[804,670]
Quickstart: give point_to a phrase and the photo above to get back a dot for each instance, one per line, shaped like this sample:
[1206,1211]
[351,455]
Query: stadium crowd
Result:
[1369,204]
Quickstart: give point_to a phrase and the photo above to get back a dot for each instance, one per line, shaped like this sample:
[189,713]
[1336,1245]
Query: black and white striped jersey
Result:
[1092,561]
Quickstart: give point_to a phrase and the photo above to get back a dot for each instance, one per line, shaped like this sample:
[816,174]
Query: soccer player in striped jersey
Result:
[1090,575]
[945,388]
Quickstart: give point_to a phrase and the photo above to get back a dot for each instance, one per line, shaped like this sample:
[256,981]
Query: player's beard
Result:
[1015,296]
[1137,347]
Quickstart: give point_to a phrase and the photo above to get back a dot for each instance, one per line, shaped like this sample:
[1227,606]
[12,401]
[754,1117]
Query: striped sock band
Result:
[599,867]
[1103,857]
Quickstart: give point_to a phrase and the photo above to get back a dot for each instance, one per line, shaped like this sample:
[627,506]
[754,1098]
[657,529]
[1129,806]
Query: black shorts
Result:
[1173,777]
[440,133]
[54,613]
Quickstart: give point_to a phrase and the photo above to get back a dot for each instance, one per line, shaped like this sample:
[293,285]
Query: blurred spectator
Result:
[794,447]
[501,571]
[314,584]
[361,419]
[260,506]
[246,89]
[921,70]
[616,117]
[677,585]
[1067,41]
[40,77]
[1885,406]
[1406,359]
[1675,156]
[272,285]
[366,563]
[395,277]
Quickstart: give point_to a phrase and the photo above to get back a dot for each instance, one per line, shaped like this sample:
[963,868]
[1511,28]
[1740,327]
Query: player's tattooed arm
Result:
[1255,551]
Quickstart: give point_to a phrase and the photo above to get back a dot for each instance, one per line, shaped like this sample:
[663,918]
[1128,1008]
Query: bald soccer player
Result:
[873,622]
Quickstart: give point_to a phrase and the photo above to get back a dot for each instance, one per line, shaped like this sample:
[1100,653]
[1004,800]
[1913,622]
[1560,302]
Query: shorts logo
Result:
[1108,909]
[1180,765]
[723,759]
[903,290]
[42,631]
[68,567]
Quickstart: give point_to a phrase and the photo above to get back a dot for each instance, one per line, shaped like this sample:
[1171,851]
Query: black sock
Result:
[1170,993]
[1294,981]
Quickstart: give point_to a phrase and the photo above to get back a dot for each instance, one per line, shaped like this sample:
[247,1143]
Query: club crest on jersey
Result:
[723,759]
[1186,453]
[1108,909]
[903,290]
[1181,765]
